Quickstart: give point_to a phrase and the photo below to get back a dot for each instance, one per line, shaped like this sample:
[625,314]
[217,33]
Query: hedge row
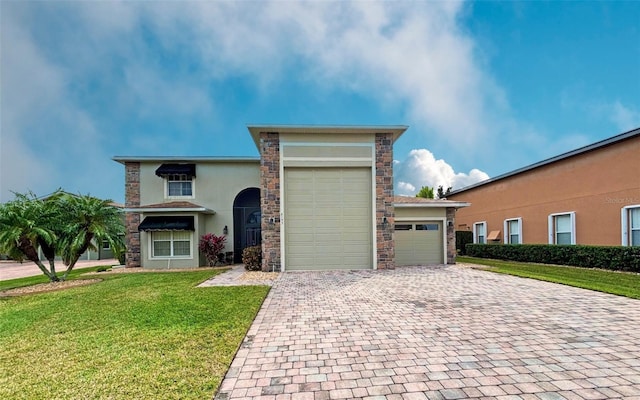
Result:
[617,258]
[462,239]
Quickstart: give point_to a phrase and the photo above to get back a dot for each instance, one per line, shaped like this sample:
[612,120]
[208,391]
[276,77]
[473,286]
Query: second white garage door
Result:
[327,218]
[418,243]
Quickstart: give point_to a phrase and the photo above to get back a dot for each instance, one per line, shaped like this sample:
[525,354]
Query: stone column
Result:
[451,235]
[270,200]
[384,200]
[132,219]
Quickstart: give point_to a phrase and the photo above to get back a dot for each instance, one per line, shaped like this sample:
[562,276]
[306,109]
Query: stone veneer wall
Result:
[132,219]
[384,200]
[270,200]
[451,235]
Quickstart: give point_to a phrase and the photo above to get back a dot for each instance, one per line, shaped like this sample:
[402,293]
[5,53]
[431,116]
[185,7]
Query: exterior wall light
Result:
[225,231]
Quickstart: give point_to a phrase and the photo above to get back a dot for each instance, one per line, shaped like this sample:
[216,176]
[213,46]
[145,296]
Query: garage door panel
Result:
[329,227]
[419,247]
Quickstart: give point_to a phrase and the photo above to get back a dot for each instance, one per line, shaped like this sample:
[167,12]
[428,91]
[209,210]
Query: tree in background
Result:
[442,194]
[60,225]
[211,246]
[425,192]
[26,223]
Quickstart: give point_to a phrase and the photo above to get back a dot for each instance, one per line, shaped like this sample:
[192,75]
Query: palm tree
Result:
[89,220]
[25,225]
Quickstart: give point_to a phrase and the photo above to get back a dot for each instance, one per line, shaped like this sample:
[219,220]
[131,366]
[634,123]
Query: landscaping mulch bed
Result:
[48,287]
[259,276]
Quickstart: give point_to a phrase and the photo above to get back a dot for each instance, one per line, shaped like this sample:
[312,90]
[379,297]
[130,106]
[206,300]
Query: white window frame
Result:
[173,257]
[507,232]
[552,226]
[475,235]
[625,219]
[169,178]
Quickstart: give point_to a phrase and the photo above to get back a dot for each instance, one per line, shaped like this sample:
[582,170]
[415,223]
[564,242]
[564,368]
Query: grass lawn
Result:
[620,283]
[131,336]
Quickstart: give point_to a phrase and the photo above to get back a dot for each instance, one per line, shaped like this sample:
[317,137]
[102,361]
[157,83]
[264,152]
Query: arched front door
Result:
[246,221]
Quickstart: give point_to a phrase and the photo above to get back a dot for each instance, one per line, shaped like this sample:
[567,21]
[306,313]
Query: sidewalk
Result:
[11,269]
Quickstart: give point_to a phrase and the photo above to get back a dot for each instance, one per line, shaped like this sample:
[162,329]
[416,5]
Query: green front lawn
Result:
[131,336]
[620,283]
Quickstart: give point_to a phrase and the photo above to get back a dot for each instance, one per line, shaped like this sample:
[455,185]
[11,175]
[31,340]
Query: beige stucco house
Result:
[318,197]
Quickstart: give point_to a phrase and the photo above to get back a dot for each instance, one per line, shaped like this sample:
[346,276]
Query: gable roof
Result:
[582,150]
[64,192]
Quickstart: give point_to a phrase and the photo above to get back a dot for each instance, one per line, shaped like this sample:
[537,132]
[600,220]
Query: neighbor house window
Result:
[106,245]
[179,185]
[480,232]
[513,231]
[171,244]
[631,225]
[562,228]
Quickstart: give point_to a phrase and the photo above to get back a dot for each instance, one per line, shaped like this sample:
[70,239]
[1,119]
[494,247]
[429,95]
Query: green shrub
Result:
[211,246]
[462,238]
[252,258]
[617,258]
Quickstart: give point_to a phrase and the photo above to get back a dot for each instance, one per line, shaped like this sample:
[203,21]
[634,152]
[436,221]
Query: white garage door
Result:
[418,243]
[327,218]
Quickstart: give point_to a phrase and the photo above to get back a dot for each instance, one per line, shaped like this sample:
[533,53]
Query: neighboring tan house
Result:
[588,196]
[318,197]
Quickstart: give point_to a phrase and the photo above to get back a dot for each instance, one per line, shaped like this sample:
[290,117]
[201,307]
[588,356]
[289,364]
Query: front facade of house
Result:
[318,198]
[588,196]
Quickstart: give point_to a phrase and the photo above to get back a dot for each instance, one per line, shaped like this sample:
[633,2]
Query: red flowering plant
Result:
[211,246]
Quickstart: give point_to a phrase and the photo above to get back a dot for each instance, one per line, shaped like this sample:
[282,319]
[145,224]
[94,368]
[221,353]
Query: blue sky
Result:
[485,87]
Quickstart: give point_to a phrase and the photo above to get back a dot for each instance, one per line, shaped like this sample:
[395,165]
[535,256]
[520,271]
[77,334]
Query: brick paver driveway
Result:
[436,333]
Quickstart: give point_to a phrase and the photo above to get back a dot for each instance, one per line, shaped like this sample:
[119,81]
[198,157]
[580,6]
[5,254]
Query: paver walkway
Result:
[436,333]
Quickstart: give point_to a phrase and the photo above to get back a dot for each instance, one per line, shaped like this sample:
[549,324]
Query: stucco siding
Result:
[215,187]
[415,213]
[327,137]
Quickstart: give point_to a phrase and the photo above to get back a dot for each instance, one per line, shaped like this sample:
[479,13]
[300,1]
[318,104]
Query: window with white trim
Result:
[513,231]
[562,228]
[170,244]
[631,225]
[179,185]
[480,232]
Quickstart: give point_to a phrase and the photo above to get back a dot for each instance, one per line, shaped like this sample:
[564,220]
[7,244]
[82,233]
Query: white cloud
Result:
[624,117]
[142,60]
[28,85]
[415,54]
[421,168]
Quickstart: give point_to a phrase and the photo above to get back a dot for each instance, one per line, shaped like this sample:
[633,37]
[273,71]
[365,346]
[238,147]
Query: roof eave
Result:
[582,150]
[448,204]
[202,210]
[125,159]
[255,130]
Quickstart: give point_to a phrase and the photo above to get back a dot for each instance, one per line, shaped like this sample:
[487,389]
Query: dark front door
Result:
[246,221]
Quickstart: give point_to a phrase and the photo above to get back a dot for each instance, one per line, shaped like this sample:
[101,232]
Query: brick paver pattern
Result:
[446,332]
